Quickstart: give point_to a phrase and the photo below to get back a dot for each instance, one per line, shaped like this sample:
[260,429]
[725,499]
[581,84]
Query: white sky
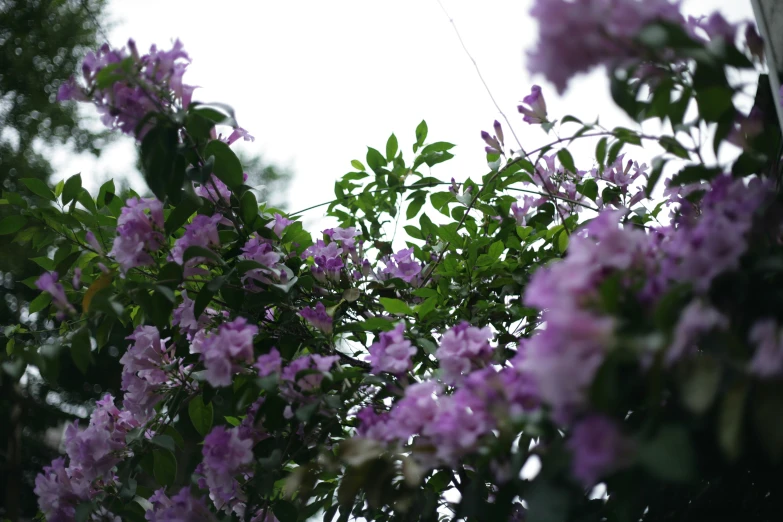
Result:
[316,82]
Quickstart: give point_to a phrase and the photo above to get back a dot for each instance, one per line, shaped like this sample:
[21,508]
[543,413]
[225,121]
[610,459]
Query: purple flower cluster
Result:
[463,349]
[146,370]
[179,508]
[262,251]
[184,317]
[293,383]
[710,239]
[201,232]
[92,454]
[392,352]
[139,233]
[224,351]
[226,454]
[318,317]
[151,83]
[401,265]
[598,448]
[576,36]
[279,224]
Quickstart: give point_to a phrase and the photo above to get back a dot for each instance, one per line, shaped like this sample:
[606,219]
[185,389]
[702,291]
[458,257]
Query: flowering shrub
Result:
[271,375]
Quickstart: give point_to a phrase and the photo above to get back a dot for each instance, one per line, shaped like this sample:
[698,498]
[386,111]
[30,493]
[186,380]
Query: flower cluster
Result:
[401,265]
[201,232]
[577,36]
[126,87]
[139,233]
[392,352]
[225,351]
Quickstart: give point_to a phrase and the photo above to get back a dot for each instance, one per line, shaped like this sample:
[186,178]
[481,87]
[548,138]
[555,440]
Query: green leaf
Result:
[106,194]
[700,387]
[600,151]
[449,234]
[767,405]
[40,302]
[358,165]
[421,135]
[201,414]
[164,441]
[714,102]
[694,174]
[566,160]
[375,160]
[248,208]
[669,455]
[438,146]
[614,151]
[395,306]
[71,188]
[441,200]
[39,188]
[562,242]
[12,224]
[658,164]
[670,144]
[426,307]
[158,157]
[227,168]
[732,416]
[181,213]
[285,511]
[164,467]
[81,349]
[414,207]
[413,232]
[495,249]
[391,147]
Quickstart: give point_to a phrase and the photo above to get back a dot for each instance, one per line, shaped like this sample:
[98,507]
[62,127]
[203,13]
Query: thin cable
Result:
[481,77]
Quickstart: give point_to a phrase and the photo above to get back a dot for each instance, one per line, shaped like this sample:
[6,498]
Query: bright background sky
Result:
[316,82]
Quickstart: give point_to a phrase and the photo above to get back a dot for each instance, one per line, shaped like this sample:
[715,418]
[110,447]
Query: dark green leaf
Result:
[375,160]
[81,349]
[201,415]
[285,511]
[158,157]
[12,224]
[227,168]
[39,188]
[164,441]
[248,208]
[71,188]
[197,251]
[566,160]
[40,302]
[669,455]
[164,467]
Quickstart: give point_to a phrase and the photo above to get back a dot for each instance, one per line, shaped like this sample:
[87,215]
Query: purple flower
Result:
[533,106]
[182,507]
[268,363]
[225,454]
[239,132]
[139,233]
[462,348]
[318,363]
[143,372]
[224,351]
[318,317]
[214,190]
[48,283]
[392,352]
[201,232]
[767,361]
[60,490]
[402,265]
[372,425]
[279,224]
[695,320]
[528,203]
[598,448]
[77,278]
[415,410]
[459,423]
[184,317]
[93,242]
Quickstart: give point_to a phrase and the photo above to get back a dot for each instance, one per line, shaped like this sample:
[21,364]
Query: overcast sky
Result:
[317,82]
